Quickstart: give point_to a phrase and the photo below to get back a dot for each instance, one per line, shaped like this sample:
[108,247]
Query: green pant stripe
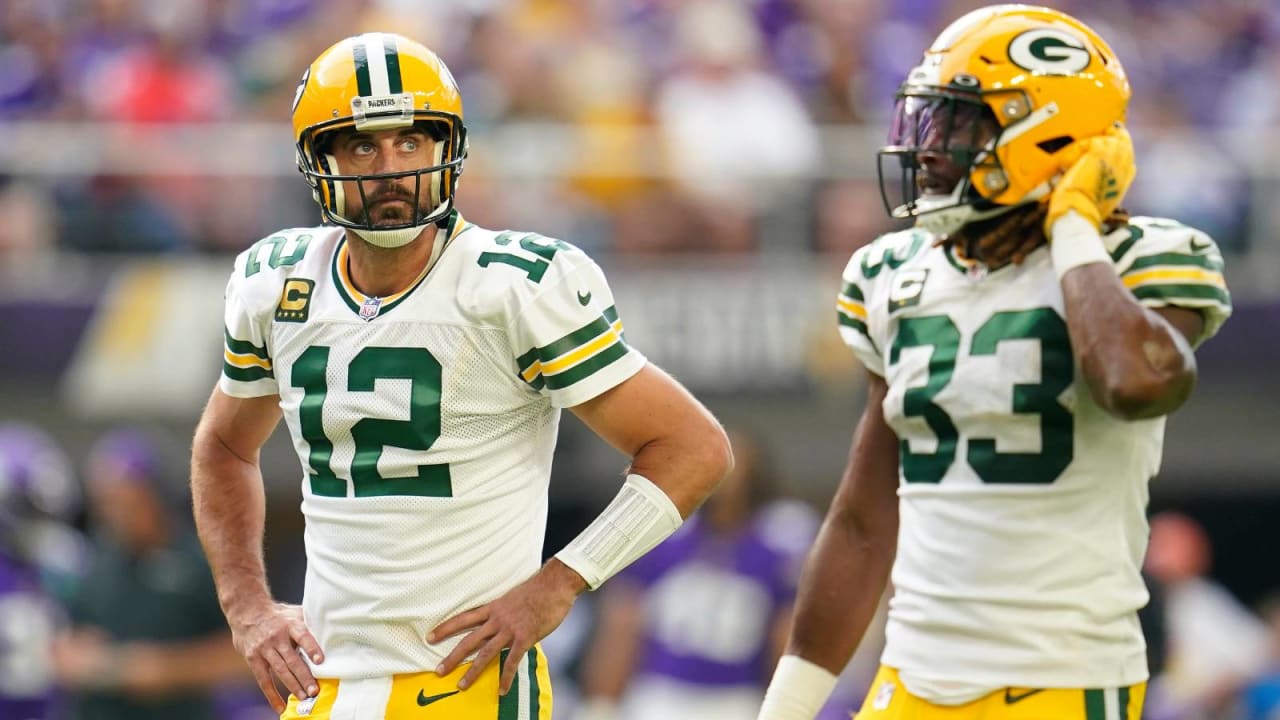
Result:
[1124,703]
[1095,707]
[509,704]
[533,684]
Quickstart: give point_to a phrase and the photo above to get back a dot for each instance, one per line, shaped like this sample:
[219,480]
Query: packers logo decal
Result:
[295,300]
[1049,52]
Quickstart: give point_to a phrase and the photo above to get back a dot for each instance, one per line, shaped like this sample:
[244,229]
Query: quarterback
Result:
[420,363]
[1024,342]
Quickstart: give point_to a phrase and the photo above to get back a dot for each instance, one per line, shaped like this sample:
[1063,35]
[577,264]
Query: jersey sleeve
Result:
[246,361]
[1172,265]
[570,343]
[851,314]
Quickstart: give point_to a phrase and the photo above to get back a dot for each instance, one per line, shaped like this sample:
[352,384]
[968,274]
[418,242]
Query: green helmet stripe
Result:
[394,83]
[363,86]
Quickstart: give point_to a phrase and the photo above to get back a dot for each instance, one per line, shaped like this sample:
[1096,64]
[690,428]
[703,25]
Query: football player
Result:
[1024,343]
[420,363]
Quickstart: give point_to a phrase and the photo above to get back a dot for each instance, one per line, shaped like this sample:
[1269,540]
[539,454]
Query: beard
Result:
[389,205]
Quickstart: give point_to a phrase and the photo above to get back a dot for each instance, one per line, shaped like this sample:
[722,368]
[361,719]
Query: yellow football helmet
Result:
[998,93]
[378,81]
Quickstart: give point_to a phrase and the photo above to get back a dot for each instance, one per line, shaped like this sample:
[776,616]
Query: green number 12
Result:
[371,435]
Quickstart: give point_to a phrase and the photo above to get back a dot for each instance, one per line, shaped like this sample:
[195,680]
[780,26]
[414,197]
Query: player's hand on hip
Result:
[270,640]
[523,616]
[1096,174]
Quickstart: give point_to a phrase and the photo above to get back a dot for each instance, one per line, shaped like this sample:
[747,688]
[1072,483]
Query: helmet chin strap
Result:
[390,238]
[943,215]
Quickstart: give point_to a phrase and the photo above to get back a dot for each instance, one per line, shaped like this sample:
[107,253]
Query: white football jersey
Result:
[1023,504]
[425,421]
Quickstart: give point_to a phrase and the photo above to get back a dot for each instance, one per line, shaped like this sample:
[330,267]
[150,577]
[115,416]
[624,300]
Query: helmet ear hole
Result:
[1053,145]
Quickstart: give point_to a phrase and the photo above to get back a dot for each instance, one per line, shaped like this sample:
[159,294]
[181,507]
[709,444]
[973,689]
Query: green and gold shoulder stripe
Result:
[851,308]
[244,361]
[575,356]
[1178,278]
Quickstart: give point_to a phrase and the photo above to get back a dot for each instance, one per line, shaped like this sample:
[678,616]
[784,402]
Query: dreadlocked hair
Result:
[1012,236]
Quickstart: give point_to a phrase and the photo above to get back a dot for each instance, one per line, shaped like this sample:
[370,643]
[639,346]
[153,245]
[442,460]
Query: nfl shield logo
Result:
[305,706]
[369,310]
[883,695]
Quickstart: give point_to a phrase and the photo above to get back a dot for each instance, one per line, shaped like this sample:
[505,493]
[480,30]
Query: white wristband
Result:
[640,517]
[797,691]
[1075,242]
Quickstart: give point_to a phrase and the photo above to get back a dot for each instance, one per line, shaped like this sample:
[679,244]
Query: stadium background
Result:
[717,158]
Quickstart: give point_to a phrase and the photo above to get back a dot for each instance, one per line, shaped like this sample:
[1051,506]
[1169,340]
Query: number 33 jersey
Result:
[425,421]
[1022,503]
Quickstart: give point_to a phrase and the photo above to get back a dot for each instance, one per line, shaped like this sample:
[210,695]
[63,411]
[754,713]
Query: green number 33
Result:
[939,333]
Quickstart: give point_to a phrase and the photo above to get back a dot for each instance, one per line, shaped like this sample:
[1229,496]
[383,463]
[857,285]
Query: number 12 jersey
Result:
[425,421]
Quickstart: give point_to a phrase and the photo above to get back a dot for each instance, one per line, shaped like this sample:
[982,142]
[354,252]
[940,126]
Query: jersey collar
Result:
[370,307]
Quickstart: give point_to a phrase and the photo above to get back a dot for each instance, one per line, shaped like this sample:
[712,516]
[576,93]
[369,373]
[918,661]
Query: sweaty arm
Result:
[846,571]
[228,498]
[230,511]
[679,453]
[1137,361]
[671,438]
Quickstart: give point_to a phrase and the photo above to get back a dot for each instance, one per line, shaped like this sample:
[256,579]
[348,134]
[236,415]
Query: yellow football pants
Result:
[427,696]
[887,699]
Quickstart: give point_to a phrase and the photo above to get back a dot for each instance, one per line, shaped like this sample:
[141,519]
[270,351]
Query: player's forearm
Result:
[686,463]
[1135,363]
[840,588]
[230,509]
[845,573]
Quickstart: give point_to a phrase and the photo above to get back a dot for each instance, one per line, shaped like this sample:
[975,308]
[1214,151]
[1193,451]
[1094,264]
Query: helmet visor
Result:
[936,139]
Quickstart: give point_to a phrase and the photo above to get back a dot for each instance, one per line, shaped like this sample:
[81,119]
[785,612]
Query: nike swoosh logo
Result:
[1010,698]
[425,700]
[1199,247]
[584,298]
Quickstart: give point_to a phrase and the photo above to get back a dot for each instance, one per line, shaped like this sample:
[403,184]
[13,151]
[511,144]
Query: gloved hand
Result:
[1097,172]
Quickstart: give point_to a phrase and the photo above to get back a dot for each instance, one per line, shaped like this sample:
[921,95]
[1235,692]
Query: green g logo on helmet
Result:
[1049,51]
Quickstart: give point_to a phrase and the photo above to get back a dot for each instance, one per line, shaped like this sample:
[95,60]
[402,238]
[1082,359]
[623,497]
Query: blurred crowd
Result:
[107,606]
[685,125]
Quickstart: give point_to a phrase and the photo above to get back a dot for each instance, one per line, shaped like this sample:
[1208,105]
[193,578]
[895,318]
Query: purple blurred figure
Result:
[37,549]
[693,629]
